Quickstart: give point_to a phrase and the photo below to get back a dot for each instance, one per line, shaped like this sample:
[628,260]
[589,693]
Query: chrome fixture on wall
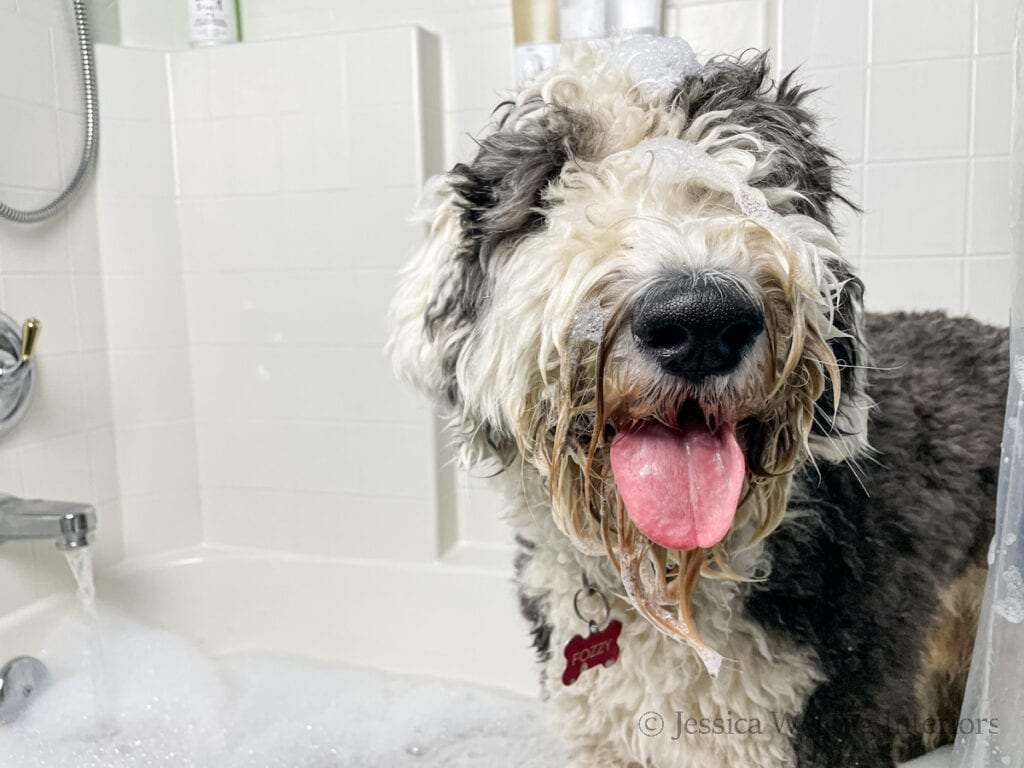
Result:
[68,523]
[17,371]
[21,680]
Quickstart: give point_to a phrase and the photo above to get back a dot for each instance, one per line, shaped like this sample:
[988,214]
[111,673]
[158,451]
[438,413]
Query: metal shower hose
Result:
[88,160]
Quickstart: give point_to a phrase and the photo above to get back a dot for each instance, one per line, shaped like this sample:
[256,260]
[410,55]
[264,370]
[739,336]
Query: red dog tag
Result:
[600,647]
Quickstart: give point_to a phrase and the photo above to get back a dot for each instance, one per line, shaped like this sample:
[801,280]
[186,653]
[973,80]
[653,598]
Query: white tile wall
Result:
[715,28]
[821,35]
[36,250]
[311,230]
[296,181]
[260,307]
[992,84]
[476,56]
[152,386]
[139,236]
[897,283]
[987,288]
[934,118]
[911,29]
[139,163]
[144,304]
[914,209]
[993,26]
[330,383]
[32,127]
[63,449]
[989,216]
[919,110]
[153,24]
[134,86]
[25,49]
[213,156]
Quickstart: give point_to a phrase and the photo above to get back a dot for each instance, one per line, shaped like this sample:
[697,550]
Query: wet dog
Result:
[633,300]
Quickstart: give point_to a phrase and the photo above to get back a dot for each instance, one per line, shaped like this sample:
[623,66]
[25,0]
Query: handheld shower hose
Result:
[88,161]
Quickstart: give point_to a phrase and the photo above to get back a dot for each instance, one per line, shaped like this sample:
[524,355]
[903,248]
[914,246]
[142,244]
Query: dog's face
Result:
[636,290]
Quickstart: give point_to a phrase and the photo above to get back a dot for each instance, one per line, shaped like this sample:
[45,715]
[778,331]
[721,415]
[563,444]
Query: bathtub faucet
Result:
[68,523]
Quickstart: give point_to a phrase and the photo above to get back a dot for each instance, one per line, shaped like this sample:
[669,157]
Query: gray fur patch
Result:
[857,576]
[501,194]
[743,89]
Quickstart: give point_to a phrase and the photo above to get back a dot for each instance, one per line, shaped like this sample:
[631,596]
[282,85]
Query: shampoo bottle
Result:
[535,24]
[212,22]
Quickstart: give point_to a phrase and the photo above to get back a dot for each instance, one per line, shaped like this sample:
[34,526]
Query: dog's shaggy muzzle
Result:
[696,326]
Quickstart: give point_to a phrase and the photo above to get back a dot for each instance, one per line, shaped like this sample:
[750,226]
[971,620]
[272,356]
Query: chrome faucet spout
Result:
[70,524]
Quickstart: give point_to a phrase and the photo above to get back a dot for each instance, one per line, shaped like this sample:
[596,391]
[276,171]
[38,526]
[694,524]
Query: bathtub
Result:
[460,622]
[441,620]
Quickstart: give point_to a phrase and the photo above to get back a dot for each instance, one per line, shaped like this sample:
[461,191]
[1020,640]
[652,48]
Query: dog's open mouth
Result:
[681,485]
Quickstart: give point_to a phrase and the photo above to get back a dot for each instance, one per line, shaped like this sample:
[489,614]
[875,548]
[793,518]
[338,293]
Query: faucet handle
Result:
[29,334]
[17,374]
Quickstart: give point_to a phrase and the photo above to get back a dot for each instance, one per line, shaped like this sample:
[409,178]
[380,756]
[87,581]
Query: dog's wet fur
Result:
[853,620]
[861,581]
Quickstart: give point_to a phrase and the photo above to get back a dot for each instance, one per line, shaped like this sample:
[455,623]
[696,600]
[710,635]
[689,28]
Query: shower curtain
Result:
[991,733]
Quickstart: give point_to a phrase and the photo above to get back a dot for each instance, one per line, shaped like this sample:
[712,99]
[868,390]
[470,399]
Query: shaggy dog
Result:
[757,517]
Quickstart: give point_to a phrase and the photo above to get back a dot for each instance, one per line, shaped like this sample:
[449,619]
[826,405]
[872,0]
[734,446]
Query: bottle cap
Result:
[535,21]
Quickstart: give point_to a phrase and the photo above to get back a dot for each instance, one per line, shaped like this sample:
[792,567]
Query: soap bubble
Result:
[171,705]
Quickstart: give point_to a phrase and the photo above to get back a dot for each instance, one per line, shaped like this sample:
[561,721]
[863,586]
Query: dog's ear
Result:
[742,91]
[481,210]
[841,432]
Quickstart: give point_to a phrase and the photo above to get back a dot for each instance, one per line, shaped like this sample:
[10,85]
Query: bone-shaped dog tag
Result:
[599,648]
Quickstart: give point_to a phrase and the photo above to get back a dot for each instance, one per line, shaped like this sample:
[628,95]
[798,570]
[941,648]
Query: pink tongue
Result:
[680,486]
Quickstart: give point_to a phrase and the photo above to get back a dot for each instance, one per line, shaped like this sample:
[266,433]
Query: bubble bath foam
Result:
[171,705]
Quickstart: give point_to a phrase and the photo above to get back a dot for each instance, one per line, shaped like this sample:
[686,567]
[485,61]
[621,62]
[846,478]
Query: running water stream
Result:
[80,560]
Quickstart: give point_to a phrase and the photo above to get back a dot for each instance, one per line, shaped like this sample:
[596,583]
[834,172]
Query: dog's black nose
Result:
[697,325]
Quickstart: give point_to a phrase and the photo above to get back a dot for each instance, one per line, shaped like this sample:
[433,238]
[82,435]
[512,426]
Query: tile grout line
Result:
[972,97]
[867,131]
